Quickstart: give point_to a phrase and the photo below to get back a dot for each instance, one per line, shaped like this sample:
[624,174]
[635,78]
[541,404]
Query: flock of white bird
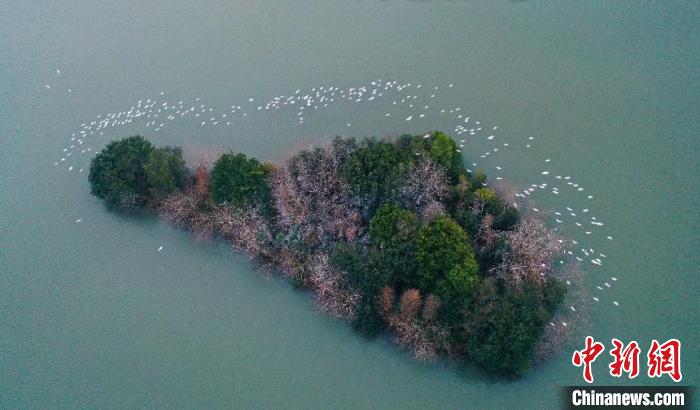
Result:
[410,101]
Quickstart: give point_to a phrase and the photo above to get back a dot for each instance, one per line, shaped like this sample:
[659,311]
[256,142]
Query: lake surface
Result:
[91,315]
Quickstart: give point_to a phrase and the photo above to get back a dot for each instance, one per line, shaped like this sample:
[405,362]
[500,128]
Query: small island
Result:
[393,235]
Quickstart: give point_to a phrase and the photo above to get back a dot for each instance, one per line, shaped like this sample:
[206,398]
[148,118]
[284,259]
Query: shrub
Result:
[117,173]
[238,180]
[421,335]
[188,209]
[165,171]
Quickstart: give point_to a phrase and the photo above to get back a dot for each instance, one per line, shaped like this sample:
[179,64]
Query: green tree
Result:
[239,180]
[443,149]
[506,219]
[361,267]
[479,179]
[375,171]
[468,220]
[437,145]
[504,326]
[165,171]
[459,282]
[495,206]
[553,294]
[393,229]
[485,194]
[462,191]
[391,224]
[441,245]
[117,173]
[412,145]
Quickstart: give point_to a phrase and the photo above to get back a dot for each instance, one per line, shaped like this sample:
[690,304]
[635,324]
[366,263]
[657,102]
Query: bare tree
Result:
[291,209]
[244,228]
[424,338]
[432,210]
[426,185]
[330,297]
[188,209]
[327,196]
[567,324]
[529,257]
[486,236]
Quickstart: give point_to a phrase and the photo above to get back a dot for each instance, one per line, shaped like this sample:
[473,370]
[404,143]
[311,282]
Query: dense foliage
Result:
[375,170]
[131,172]
[504,325]
[393,231]
[394,236]
[366,276]
[118,175]
[237,180]
[443,255]
[165,172]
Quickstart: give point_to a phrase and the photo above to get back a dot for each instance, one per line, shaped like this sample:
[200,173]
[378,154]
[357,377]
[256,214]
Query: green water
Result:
[91,315]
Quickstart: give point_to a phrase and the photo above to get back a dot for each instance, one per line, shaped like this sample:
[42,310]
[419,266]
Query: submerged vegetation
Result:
[394,236]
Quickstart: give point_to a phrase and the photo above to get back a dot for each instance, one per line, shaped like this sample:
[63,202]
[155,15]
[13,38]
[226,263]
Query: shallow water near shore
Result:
[93,315]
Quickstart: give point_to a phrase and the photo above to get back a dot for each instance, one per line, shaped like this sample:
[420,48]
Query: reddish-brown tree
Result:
[386,301]
[409,304]
[202,180]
